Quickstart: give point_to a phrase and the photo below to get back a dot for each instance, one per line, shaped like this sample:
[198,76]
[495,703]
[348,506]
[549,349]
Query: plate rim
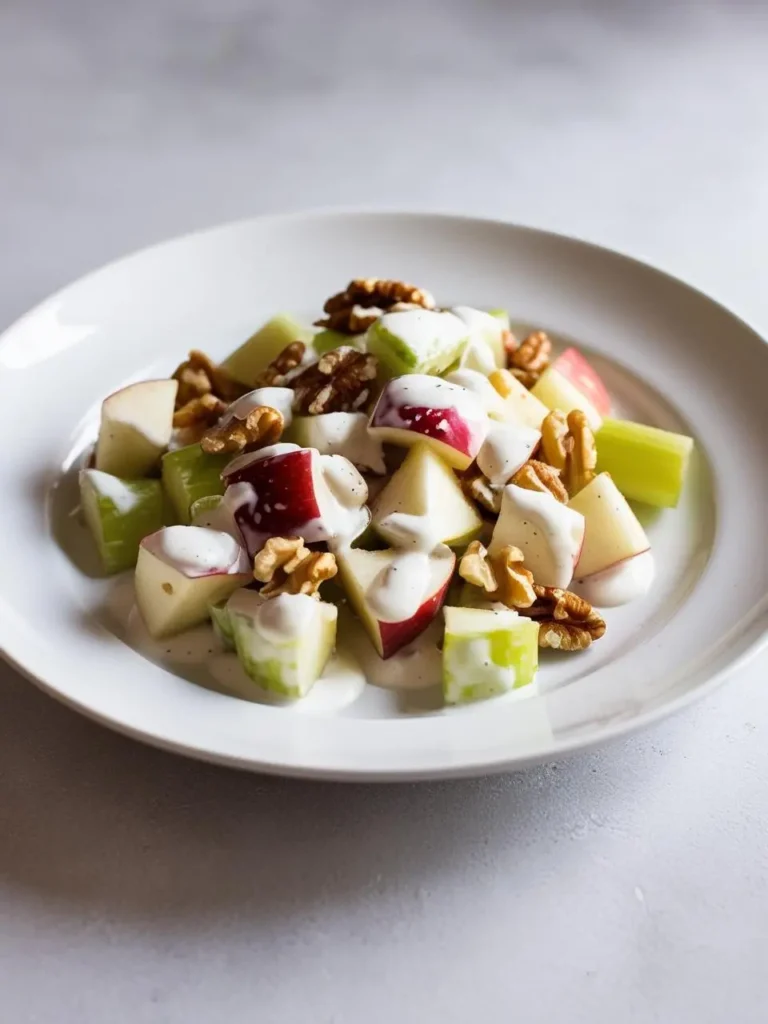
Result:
[469,767]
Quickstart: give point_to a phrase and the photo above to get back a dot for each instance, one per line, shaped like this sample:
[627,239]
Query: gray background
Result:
[623,885]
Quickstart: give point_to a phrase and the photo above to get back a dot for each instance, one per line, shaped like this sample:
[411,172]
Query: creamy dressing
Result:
[481,387]
[198,551]
[478,321]
[549,534]
[423,391]
[276,398]
[620,584]
[345,433]
[425,332]
[399,589]
[507,447]
[343,511]
[417,666]
[113,488]
[404,530]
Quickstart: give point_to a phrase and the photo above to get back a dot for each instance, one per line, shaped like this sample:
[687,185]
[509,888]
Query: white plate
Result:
[671,356]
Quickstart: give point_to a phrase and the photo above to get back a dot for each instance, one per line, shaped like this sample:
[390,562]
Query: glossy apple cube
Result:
[572,365]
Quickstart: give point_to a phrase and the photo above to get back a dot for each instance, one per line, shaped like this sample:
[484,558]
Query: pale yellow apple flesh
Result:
[557,392]
[612,531]
[136,426]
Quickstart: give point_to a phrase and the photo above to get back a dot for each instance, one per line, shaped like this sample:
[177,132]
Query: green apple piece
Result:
[246,363]
[190,473]
[647,464]
[417,340]
[340,433]
[119,514]
[520,404]
[487,652]
[284,642]
[425,487]
[136,427]
[502,315]
[181,571]
[486,338]
[612,532]
[328,339]
[556,392]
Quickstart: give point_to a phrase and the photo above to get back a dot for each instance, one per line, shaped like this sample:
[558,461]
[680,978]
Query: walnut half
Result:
[286,566]
[566,621]
[531,358]
[340,381]
[502,575]
[365,299]
[261,427]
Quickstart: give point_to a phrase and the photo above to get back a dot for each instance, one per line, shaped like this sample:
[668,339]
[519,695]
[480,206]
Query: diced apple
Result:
[557,392]
[421,408]
[502,315]
[182,570]
[287,491]
[190,473]
[487,653]
[647,464]
[426,489]
[340,433]
[417,340]
[479,385]
[505,450]
[612,531]
[136,426]
[485,332]
[575,368]
[119,514]
[222,624]
[254,355]
[370,580]
[283,643]
[520,404]
[549,534]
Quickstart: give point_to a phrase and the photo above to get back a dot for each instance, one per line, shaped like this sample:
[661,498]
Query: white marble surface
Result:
[624,885]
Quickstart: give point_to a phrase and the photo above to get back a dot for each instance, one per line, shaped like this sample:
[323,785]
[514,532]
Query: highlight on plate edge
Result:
[416,463]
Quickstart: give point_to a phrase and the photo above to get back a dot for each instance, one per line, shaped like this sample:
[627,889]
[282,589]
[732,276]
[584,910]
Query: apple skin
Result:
[575,368]
[287,500]
[395,635]
[455,434]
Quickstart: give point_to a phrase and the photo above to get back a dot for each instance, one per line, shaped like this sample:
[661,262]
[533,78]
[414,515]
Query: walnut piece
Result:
[566,621]
[531,358]
[364,301]
[538,476]
[477,487]
[273,376]
[503,575]
[261,427]
[198,375]
[554,431]
[580,453]
[200,412]
[340,381]
[285,566]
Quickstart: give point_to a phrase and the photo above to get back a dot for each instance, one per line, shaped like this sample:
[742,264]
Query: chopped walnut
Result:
[581,453]
[502,575]
[566,621]
[285,566]
[531,358]
[200,412]
[477,487]
[510,343]
[538,476]
[365,299]
[261,427]
[340,381]
[273,376]
[198,375]
[554,431]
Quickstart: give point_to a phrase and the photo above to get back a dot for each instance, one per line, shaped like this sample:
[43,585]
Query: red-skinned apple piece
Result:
[575,368]
[365,575]
[419,408]
[287,491]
